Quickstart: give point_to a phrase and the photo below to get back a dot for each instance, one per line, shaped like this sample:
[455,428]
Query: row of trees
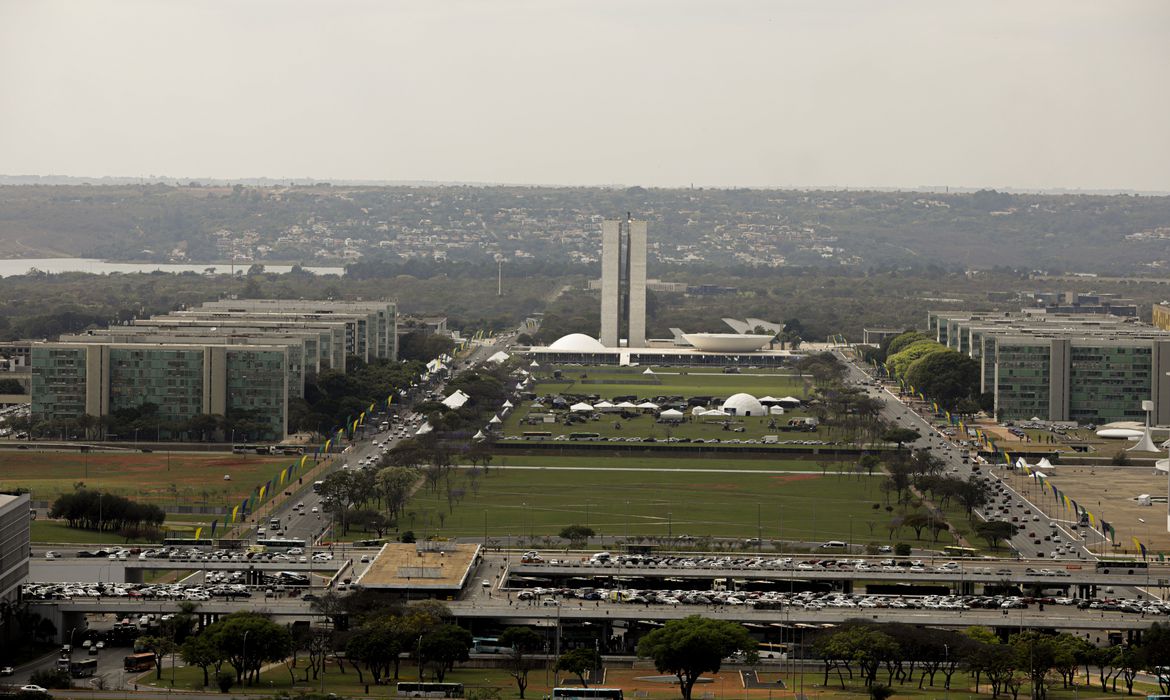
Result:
[94,510]
[951,378]
[1034,658]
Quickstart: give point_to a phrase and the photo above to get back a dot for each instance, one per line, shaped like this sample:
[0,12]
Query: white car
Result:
[313,509]
[51,555]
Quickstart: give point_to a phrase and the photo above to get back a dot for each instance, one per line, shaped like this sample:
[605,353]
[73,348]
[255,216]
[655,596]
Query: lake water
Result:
[21,266]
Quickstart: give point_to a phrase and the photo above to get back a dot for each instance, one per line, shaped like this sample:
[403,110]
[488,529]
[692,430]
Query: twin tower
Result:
[623,283]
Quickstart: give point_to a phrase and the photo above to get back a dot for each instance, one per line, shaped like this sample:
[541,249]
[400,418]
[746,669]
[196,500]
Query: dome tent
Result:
[744,405]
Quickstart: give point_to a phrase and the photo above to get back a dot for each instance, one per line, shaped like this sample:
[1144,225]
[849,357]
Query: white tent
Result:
[479,435]
[671,413]
[1021,463]
[714,412]
[507,404]
[495,420]
[1044,463]
[534,363]
[647,371]
[604,406]
[776,410]
[499,357]
[580,407]
[768,399]
[626,404]
[648,406]
[698,411]
[789,399]
[456,400]
[423,429]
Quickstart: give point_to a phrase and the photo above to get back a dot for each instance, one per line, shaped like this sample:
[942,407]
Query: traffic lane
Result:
[932,437]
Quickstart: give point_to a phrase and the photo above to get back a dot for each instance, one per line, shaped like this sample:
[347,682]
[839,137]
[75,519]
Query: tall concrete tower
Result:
[610,282]
[623,283]
[636,274]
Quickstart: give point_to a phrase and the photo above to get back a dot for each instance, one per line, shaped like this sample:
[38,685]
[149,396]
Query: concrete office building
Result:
[623,283]
[72,379]
[1083,368]
[324,340]
[375,332]
[15,546]
[241,358]
[294,347]
[1161,316]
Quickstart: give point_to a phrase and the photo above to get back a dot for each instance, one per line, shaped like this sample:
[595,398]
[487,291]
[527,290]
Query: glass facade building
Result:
[241,358]
[1083,368]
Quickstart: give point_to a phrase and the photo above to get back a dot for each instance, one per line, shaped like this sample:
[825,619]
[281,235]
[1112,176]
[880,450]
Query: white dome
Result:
[744,405]
[577,342]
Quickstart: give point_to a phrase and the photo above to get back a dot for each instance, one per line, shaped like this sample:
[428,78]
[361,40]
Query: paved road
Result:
[1037,522]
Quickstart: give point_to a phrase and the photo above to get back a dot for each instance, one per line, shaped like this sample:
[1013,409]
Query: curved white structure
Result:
[577,342]
[744,405]
[1117,433]
[726,342]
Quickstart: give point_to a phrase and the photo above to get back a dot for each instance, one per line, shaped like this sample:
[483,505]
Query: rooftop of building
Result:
[431,566]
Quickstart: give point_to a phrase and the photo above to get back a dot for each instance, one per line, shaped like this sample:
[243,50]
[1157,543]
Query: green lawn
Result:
[714,461]
[179,478]
[608,382]
[538,503]
[646,426]
[53,531]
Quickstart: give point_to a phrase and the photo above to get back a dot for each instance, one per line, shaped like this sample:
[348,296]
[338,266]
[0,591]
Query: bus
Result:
[536,435]
[772,650]
[430,690]
[138,662]
[281,542]
[584,436]
[488,645]
[1121,566]
[952,550]
[84,668]
[588,693]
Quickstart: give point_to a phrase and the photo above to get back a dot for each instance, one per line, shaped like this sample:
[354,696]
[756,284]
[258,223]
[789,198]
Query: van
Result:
[833,544]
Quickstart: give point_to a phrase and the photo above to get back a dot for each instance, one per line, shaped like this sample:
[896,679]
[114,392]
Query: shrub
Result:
[51,678]
[902,549]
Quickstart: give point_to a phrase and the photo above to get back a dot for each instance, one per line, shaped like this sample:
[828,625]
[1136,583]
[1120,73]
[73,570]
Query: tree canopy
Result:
[694,645]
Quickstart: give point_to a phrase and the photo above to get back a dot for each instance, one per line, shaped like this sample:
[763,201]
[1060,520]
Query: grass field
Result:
[54,531]
[724,685]
[714,461]
[620,503]
[179,478]
[608,382]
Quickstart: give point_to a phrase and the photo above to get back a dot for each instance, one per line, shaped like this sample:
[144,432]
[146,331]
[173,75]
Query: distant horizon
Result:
[304,181]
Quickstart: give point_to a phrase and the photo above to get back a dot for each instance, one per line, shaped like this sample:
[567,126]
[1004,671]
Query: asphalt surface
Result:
[942,447]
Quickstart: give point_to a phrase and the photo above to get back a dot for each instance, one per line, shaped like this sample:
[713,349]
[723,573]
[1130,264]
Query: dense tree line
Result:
[106,512]
[893,653]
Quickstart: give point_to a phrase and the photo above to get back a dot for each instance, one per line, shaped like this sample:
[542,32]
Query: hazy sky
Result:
[716,93]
